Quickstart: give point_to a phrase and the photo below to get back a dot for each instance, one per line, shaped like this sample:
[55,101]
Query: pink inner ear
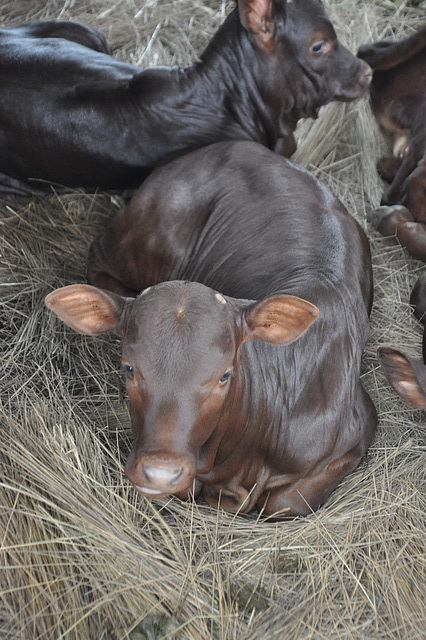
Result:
[86,309]
[256,15]
[281,319]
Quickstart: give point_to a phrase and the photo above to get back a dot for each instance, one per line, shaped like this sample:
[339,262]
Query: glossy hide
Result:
[107,123]
[398,98]
[67,30]
[289,422]
[406,375]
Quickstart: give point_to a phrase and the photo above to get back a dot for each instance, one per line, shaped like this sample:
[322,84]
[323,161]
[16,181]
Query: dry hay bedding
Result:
[83,556]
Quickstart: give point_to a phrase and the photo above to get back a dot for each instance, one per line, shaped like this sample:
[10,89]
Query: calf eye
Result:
[128,370]
[224,379]
[317,46]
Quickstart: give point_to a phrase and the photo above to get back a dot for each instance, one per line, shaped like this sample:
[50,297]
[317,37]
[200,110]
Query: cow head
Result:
[180,344]
[304,52]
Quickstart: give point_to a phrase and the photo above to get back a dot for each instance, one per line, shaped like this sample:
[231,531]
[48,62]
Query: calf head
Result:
[304,53]
[180,343]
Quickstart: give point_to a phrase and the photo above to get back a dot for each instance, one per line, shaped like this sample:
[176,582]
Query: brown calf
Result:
[398,98]
[87,120]
[242,353]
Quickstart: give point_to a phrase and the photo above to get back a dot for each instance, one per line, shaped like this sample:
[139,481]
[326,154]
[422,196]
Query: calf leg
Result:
[412,236]
[398,221]
[305,495]
[415,192]
[191,493]
[388,167]
[396,191]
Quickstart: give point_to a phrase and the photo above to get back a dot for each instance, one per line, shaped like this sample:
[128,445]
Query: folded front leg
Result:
[306,494]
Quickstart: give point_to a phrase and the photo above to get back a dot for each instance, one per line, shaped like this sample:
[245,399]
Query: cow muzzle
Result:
[359,87]
[158,475]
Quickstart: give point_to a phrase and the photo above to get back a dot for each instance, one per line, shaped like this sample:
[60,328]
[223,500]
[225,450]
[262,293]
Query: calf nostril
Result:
[176,472]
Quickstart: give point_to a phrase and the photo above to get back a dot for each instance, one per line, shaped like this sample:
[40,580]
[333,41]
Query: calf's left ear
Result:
[280,319]
[258,17]
[87,309]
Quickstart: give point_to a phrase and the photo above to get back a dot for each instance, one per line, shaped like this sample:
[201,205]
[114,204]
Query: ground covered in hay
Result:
[82,556]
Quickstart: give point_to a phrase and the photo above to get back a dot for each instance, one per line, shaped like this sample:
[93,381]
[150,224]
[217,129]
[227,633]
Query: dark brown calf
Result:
[237,252]
[406,375]
[87,120]
[398,98]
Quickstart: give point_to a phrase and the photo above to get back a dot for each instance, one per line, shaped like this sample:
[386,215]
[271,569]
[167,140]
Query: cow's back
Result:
[243,221]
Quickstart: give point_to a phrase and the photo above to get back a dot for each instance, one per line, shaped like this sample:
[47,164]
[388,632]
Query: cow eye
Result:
[318,46]
[224,379]
[128,370]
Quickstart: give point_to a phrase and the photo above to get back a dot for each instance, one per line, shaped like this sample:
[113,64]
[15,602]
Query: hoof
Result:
[376,216]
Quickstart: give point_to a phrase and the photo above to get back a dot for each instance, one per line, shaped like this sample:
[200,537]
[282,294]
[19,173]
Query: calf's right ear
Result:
[87,309]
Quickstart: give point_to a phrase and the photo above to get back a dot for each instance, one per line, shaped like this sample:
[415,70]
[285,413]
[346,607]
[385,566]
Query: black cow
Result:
[78,118]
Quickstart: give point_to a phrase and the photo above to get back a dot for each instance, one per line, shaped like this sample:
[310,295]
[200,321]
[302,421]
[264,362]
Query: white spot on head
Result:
[219,297]
[145,291]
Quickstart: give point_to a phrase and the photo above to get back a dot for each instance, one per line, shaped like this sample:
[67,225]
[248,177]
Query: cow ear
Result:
[87,309]
[406,376]
[279,319]
[258,17]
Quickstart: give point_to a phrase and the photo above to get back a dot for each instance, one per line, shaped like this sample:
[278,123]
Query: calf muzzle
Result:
[357,87]
[158,474]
